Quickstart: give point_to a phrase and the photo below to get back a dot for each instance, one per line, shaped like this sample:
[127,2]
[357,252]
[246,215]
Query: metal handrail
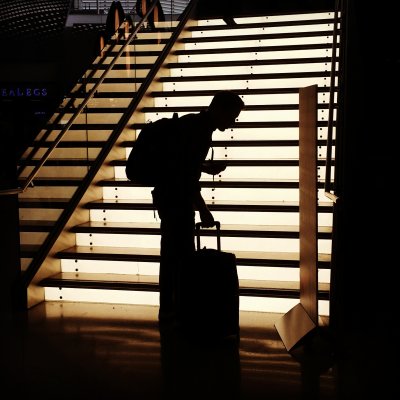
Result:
[49,241]
[329,141]
[47,154]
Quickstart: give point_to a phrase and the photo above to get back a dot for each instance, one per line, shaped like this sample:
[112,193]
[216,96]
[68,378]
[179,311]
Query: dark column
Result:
[9,214]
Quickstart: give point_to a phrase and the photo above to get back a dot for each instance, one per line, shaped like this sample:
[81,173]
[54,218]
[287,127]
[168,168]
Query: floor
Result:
[102,351]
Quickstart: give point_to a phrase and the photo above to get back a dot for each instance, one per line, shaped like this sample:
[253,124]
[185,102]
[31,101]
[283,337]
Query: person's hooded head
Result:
[224,108]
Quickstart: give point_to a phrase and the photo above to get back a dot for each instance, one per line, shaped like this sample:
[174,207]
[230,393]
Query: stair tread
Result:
[148,204]
[244,162]
[226,181]
[150,283]
[110,255]
[246,143]
[29,250]
[249,125]
[256,36]
[243,143]
[151,279]
[254,49]
[155,252]
[249,62]
[265,24]
[120,67]
[216,205]
[226,229]
[53,203]
[57,181]
[43,200]
[125,79]
[137,53]
[239,91]
[25,225]
[252,107]
[95,110]
[72,143]
[143,41]
[99,95]
[221,77]
[59,162]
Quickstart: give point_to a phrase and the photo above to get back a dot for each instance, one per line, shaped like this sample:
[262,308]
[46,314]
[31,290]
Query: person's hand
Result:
[212,167]
[207,219]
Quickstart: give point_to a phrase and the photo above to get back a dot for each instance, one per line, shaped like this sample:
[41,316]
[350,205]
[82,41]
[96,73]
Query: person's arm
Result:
[206,217]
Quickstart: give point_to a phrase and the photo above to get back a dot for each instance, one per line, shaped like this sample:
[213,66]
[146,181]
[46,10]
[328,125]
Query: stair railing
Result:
[45,248]
[29,180]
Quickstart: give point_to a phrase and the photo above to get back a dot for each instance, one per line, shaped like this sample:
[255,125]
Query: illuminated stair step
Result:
[245,272]
[270,90]
[254,258]
[210,194]
[243,82]
[91,290]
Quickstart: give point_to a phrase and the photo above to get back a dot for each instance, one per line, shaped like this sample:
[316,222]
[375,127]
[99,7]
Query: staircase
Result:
[90,235]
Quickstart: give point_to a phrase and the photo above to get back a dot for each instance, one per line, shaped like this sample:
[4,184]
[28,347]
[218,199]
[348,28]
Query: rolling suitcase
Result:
[208,302]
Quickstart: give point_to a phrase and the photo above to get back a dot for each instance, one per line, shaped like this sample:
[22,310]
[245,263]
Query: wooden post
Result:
[303,318]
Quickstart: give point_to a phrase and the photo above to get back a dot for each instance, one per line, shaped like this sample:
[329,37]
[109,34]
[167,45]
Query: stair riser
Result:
[249,99]
[255,55]
[145,269]
[244,173]
[228,243]
[61,171]
[209,194]
[245,116]
[129,71]
[38,214]
[228,217]
[77,135]
[246,303]
[244,83]
[239,44]
[98,102]
[122,267]
[47,192]
[131,57]
[249,69]
[91,118]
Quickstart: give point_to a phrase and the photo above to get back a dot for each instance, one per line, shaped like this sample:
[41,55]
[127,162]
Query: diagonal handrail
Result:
[28,181]
[329,141]
[50,240]
[62,113]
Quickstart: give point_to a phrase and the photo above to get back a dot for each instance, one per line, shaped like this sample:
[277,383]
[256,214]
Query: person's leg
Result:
[168,259]
[177,245]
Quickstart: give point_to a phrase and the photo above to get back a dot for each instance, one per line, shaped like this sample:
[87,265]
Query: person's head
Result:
[224,108]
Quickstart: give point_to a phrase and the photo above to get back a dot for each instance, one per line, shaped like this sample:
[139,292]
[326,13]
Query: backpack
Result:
[149,155]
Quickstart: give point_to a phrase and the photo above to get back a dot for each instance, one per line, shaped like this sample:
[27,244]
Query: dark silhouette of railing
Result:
[46,246]
[29,180]
[329,142]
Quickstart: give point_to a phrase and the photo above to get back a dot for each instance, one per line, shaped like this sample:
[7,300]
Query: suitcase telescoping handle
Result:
[217,224]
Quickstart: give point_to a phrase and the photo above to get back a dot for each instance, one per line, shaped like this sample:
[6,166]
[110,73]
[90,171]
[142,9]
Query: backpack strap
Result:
[212,159]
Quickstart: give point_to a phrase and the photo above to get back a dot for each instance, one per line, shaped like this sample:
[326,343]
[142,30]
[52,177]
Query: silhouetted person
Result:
[142,6]
[115,17]
[178,195]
